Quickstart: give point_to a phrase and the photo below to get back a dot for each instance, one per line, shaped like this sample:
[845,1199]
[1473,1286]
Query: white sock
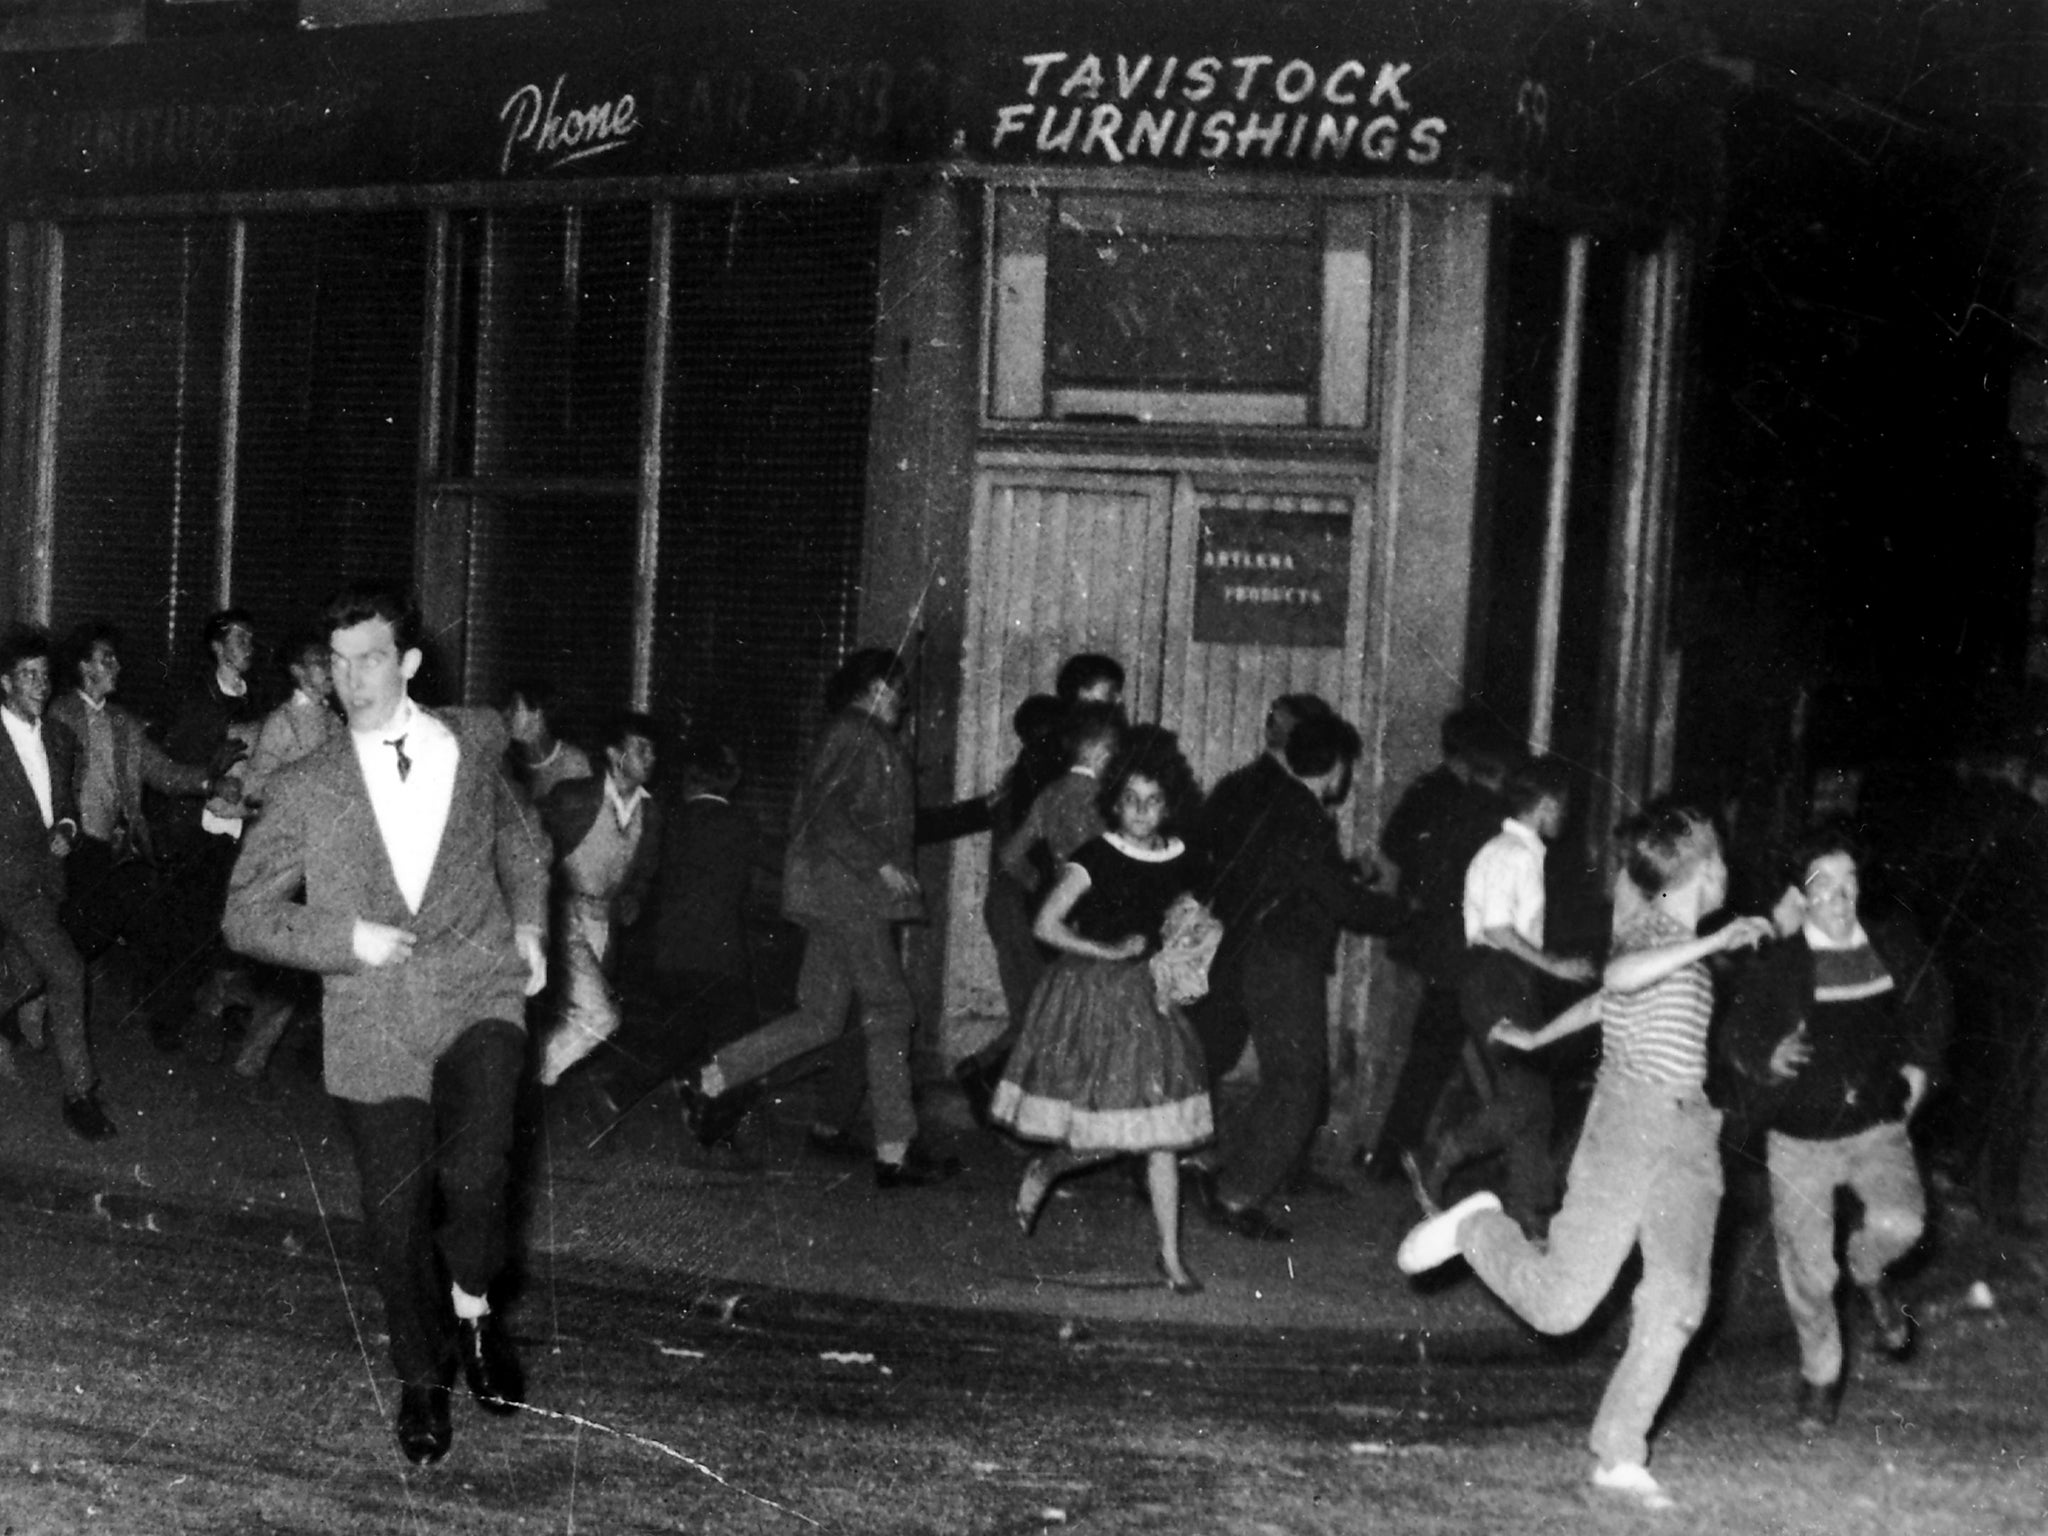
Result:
[467,1307]
[892,1152]
[711,1081]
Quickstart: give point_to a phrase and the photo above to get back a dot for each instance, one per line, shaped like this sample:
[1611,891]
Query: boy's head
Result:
[1288,711]
[1669,843]
[1090,733]
[1090,678]
[1321,751]
[1539,792]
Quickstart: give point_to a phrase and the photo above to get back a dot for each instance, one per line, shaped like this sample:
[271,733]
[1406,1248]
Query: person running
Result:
[1647,1173]
[1104,1065]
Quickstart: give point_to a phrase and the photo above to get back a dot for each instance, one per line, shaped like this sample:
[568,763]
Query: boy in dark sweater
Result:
[1836,1034]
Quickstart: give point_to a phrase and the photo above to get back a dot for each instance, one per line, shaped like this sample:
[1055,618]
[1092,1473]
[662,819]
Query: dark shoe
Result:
[841,1145]
[87,1120]
[1817,1407]
[1894,1330]
[424,1433]
[714,1120]
[489,1365]
[1252,1224]
[1186,1285]
[917,1169]
[977,1078]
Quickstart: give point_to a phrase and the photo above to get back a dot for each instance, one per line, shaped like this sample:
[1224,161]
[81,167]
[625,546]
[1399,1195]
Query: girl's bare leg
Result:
[1162,1179]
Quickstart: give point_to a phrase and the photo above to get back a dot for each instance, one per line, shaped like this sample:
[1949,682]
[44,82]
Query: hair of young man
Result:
[536,693]
[1530,784]
[860,672]
[1151,752]
[1664,843]
[219,624]
[1319,743]
[708,762]
[363,602]
[1085,723]
[23,642]
[1822,840]
[1084,671]
[625,724]
[85,638]
[1039,714]
[302,646]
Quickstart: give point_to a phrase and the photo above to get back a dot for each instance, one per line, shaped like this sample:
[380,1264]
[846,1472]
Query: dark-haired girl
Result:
[1102,1067]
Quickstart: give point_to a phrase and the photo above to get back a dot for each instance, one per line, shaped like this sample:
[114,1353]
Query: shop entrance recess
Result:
[1218,593]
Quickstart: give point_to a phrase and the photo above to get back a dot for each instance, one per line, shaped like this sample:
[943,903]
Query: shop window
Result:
[1160,311]
[142,318]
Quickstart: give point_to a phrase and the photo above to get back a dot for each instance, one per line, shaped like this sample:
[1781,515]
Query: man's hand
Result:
[901,884]
[1792,1053]
[1576,968]
[533,950]
[379,944]
[1746,933]
[62,838]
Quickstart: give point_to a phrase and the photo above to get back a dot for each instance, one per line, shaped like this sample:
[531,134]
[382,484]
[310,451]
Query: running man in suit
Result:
[424,906]
[38,828]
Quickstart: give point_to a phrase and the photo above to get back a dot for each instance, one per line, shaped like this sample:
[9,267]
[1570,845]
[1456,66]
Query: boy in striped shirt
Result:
[1647,1172]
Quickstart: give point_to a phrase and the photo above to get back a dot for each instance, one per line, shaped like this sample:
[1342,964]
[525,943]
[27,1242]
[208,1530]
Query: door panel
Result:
[1058,563]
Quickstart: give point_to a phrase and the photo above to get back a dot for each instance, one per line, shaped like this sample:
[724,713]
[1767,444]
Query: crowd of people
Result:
[457,902]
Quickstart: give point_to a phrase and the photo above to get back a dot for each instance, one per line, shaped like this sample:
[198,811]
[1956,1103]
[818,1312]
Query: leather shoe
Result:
[1817,1407]
[1252,1224]
[489,1365]
[87,1120]
[1894,1331]
[424,1433]
[714,1119]
[976,1080]
[918,1169]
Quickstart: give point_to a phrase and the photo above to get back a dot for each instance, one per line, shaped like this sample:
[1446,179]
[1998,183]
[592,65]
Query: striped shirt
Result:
[1658,1034]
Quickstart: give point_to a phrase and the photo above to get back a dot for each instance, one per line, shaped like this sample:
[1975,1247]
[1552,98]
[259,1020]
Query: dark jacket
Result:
[698,923]
[1275,869]
[1852,1081]
[28,870]
[855,812]
[1439,824]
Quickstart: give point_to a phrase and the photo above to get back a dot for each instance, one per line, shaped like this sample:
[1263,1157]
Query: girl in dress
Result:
[1102,1068]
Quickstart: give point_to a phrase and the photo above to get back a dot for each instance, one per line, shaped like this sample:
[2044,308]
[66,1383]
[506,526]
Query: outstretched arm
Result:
[1575,1018]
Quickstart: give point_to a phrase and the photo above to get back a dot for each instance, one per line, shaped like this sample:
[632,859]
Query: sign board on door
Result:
[1272,574]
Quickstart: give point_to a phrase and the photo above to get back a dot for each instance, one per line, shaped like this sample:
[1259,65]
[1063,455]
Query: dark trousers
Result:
[37,944]
[1278,999]
[1518,1120]
[434,1178]
[1434,1045]
[672,1021]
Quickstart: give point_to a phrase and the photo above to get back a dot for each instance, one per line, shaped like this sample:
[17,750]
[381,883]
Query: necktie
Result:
[404,762]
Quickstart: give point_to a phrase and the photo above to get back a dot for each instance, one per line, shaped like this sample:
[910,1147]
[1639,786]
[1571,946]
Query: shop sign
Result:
[1271,575]
[1260,109]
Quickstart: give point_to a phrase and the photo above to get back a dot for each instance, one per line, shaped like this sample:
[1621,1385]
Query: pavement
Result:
[773,1222]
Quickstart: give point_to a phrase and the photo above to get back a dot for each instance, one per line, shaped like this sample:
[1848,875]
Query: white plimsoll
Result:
[1632,1479]
[1435,1241]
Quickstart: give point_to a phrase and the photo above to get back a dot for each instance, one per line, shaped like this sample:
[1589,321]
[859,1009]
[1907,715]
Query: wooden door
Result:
[1059,562]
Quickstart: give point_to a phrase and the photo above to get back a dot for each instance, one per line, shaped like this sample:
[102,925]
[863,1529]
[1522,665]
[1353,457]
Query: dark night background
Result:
[1856,517]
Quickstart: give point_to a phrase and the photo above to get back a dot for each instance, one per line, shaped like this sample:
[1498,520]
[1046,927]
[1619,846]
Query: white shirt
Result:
[412,812]
[623,807]
[1504,885]
[27,737]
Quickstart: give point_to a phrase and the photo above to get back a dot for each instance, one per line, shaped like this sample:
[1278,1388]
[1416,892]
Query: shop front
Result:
[671,351]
